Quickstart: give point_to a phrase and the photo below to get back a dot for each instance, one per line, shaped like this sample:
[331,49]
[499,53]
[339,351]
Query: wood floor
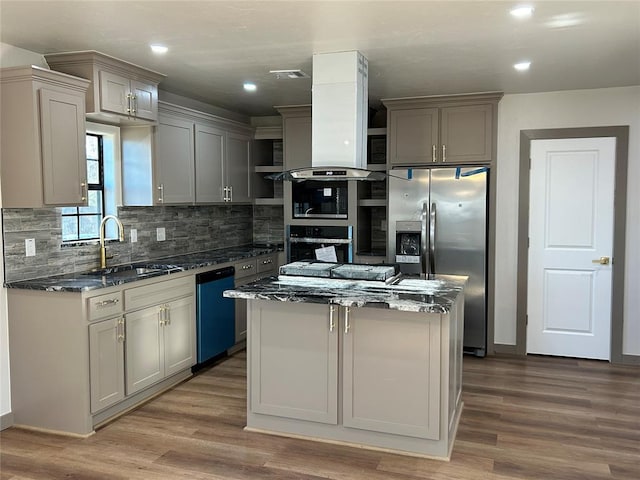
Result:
[524,418]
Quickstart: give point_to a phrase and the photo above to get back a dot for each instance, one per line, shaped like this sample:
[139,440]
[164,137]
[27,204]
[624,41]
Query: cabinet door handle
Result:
[134,104]
[161,190]
[433,153]
[167,315]
[128,104]
[83,191]
[231,194]
[444,153]
[332,323]
[347,324]
[161,316]
[110,301]
[120,329]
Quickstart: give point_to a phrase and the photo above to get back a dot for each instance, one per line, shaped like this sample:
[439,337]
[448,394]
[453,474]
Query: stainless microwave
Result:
[320,199]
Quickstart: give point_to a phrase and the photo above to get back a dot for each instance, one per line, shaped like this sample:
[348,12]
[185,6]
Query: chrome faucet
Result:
[103,249]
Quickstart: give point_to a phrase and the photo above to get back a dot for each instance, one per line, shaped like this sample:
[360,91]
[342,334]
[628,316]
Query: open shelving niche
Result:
[372,203]
[267,159]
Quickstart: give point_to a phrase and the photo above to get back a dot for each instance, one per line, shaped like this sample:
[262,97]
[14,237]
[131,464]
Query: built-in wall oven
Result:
[303,241]
[320,199]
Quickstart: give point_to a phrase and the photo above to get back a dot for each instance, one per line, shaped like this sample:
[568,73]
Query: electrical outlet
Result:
[134,235]
[30,247]
[160,234]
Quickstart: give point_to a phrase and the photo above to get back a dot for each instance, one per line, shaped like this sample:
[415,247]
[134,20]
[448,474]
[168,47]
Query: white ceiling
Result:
[413,47]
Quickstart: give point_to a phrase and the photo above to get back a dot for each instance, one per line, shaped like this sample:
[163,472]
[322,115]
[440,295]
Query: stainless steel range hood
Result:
[339,120]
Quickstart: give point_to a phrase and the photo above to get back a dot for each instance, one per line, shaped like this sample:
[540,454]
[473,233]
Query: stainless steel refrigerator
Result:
[438,225]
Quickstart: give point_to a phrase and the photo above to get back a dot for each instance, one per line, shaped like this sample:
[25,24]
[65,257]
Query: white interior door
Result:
[570,231]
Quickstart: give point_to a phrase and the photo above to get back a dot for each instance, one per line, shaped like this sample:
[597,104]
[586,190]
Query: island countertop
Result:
[406,294]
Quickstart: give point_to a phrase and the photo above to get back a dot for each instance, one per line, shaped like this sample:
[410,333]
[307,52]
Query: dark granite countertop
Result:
[407,294]
[118,275]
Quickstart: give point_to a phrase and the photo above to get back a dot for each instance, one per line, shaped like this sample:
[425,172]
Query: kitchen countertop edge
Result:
[80,282]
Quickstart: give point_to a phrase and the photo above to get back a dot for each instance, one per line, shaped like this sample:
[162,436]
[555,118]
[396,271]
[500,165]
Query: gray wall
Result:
[188,229]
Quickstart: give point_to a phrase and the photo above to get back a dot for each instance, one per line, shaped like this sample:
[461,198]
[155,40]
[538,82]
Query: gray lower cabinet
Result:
[386,360]
[246,272]
[100,352]
[367,376]
[144,348]
[160,339]
[294,366]
[159,342]
[106,357]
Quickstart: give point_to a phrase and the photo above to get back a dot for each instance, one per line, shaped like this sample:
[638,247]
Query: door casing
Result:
[621,134]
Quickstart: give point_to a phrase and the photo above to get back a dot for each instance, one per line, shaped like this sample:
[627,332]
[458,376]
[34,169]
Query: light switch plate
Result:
[160,234]
[30,247]
[134,235]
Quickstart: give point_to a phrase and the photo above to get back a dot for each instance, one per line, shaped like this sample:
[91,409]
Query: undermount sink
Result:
[130,271]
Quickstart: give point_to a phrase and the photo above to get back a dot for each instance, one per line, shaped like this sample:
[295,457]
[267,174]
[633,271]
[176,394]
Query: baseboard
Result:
[631,360]
[502,348]
[6,420]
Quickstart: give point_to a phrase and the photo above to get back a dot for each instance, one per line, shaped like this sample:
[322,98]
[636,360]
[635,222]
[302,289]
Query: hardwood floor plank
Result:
[535,417]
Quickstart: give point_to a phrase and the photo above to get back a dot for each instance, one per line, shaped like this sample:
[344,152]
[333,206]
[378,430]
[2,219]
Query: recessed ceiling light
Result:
[250,87]
[523,11]
[522,66]
[159,49]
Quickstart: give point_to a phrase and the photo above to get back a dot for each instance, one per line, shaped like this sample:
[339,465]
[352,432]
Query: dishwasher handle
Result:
[214,275]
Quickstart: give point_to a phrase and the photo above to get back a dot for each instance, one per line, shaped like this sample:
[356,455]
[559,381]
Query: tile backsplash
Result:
[188,229]
[268,224]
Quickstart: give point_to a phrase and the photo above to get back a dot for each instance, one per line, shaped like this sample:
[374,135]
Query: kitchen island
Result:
[376,364]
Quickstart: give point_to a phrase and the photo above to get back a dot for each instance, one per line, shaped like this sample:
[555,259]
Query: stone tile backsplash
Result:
[188,229]
[268,224]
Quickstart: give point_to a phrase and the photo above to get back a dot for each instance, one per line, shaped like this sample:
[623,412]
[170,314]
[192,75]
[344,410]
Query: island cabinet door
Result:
[293,361]
[391,371]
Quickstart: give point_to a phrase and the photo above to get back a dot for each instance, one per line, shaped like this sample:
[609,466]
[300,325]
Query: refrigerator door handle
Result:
[424,241]
[432,240]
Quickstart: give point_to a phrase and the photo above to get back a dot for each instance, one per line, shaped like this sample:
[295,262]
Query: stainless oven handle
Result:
[334,241]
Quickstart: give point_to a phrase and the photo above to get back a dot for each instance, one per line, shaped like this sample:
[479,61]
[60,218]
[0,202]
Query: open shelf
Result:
[268,201]
[372,202]
[268,168]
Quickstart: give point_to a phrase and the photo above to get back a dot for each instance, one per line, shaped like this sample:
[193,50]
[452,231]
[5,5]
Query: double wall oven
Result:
[320,212]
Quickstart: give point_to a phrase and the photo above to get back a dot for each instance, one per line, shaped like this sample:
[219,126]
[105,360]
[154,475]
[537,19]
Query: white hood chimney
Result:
[340,105]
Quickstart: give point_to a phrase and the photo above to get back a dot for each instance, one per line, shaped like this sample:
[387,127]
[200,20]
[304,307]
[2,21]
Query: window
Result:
[83,223]
[103,167]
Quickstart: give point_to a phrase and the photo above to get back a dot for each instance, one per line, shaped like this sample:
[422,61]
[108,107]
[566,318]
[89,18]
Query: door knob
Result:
[601,260]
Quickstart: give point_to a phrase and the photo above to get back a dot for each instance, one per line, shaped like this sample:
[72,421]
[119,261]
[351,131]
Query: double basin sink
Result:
[131,272]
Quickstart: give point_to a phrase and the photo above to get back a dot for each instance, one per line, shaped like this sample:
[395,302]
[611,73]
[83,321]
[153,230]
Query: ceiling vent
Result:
[285,74]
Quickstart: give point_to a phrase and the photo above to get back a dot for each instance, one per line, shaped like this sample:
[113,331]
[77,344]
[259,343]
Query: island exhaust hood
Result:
[339,120]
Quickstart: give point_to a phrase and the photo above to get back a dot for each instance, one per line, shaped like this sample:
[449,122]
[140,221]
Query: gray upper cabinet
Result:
[118,94]
[43,138]
[190,157]
[296,132]
[209,157]
[121,92]
[237,167]
[175,161]
[457,129]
